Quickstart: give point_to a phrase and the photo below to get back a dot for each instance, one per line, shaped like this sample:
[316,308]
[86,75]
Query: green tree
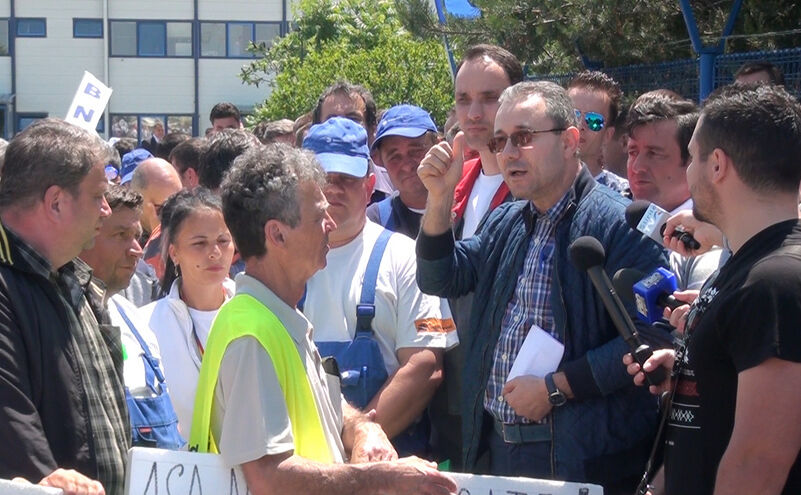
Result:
[361,41]
[553,36]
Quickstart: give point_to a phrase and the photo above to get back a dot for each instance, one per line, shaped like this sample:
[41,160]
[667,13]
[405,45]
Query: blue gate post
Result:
[708,53]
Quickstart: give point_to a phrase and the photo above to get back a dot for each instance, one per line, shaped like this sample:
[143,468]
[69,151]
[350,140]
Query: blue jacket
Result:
[604,433]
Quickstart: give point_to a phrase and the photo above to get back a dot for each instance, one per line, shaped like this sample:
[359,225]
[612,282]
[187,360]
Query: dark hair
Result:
[660,105]
[269,131]
[49,152]
[598,81]
[508,62]
[224,110]
[301,127]
[125,145]
[350,90]
[169,142]
[224,146]
[759,128]
[264,185]
[774,73]
[118,196]
[175,210]
[187,154]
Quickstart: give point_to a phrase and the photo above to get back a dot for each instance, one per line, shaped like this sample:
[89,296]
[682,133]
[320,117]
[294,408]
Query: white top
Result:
[481,195]
[171,323]
[249,415]
[202,321]
[405,317]
[134,366]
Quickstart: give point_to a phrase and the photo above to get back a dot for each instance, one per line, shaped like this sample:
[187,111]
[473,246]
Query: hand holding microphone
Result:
[588,255]
[706,234]
[651,220]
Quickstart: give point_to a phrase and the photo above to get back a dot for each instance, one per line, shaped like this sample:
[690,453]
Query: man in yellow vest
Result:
[266,400]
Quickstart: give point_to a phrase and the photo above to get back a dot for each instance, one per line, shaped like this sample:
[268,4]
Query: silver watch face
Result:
[557,398]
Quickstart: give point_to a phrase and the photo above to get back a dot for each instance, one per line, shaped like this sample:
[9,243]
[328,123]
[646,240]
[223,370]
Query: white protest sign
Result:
[89,103]
[473,484]
[156,471]
[12,488]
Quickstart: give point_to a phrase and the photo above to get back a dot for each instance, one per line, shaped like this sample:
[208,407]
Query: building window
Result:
[87,28]
[123,39]
[26,119]
[3,37]
[231,39]
[212,39]
[140,127]
[151,39]
[31,27]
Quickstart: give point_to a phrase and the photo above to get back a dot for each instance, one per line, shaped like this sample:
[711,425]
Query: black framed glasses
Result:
[519,138]
[595,121]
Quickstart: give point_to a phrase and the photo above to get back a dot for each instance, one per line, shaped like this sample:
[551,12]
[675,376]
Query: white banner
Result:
[89,103]
[11,488]
[154,471]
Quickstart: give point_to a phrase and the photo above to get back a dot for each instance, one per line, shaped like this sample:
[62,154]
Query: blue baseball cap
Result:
[340,145]
[404,120]
[130,161]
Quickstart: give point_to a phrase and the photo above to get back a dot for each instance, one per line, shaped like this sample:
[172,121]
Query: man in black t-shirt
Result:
[743,342]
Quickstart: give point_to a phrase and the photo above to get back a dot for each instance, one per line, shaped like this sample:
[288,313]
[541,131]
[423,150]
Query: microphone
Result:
[650,294]
[588,255]
[650,219]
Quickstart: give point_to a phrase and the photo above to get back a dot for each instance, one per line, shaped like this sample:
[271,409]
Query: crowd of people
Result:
[345,301]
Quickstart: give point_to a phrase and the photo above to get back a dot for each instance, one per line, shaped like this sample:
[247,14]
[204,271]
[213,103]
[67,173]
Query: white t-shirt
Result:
[134,366]
[481,195]
[202,321]
[404,316]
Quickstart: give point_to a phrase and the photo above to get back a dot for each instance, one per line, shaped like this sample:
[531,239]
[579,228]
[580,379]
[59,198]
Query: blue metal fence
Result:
[682,76]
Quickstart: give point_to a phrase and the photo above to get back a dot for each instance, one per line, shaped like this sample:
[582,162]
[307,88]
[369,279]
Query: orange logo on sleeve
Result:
[434,325]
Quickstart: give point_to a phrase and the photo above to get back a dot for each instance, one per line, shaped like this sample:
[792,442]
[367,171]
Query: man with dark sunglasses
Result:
[578,419]
[596,98]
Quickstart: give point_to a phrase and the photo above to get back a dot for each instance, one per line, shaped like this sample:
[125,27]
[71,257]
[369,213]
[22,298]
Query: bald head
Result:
[156,180]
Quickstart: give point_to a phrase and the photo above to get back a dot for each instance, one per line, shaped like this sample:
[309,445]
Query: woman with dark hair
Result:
[197,251]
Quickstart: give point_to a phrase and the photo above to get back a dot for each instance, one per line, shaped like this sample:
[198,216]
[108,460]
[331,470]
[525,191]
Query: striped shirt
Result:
[98,351]
[530,305]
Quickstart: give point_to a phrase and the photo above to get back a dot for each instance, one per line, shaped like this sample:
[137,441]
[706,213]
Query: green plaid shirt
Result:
[98,351]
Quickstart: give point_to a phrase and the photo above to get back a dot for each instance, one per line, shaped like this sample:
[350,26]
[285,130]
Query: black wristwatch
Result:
[555,396]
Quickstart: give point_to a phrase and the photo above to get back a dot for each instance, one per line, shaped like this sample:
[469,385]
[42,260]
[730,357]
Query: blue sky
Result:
[461,8]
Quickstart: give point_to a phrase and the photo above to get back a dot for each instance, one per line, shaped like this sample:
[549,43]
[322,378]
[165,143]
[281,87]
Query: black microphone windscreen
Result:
[624,281]
[587,252]
[635,212]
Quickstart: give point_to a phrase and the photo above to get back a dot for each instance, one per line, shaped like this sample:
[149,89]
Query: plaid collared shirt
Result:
[98,352]
[530,305]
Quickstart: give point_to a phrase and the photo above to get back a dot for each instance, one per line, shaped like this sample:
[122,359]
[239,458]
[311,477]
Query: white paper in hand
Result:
[539,355]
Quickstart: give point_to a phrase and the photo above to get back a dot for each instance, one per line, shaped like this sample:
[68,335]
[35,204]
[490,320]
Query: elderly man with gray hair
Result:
[579,420]
[266,400]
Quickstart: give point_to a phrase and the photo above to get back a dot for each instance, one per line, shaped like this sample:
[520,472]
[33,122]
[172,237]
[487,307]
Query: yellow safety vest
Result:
[245,316]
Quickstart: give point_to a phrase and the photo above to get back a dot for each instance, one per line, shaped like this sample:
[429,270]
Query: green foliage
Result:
[553,36]
[361,41]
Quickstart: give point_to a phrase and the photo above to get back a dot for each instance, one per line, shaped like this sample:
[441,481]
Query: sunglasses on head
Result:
[595,121]
[519,139]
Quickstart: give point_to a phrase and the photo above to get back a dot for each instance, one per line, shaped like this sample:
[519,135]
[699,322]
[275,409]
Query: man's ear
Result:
[274,234]
[55,201]
[570,141]
[369,185]
[720,166]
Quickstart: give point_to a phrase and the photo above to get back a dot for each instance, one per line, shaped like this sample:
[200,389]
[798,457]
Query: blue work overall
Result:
[153,419]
